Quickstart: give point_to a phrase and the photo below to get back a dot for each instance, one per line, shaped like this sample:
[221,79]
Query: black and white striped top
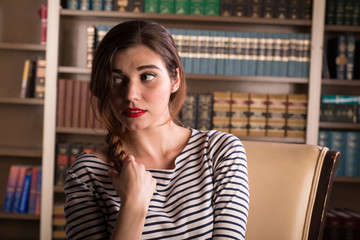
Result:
[206,196]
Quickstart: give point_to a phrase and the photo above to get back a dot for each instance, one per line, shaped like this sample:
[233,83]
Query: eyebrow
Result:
[119,71]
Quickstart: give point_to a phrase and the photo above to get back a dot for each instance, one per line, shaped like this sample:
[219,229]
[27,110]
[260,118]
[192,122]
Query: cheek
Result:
[159,96]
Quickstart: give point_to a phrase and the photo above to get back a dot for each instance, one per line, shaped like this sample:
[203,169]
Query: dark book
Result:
[255,8]
[40,79]
[356,14]
[189,111]
[33,189]
[268,9]
[84,104]
[75,150]
[24,198]
[281,9]
[226,8]
[240,8]
[204,111]
[295,9]
[62,162]
[338,143]
[38,194]
[352,165]
[330,12]
[306,9]
[336,52]
[339,12]
[28,79]
[136,6]
[338,113]
[121,5]
[350,57]
[332,228]
[348,11]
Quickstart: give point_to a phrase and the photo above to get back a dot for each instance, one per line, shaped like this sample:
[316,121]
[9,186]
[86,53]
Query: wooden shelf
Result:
[19,216]
[347,179]
[273,139]
[339,125]
[342,28]
[186,18]
[84,131]
[22,101]
[336,82]
[22,47]
[20,152]
[206,77]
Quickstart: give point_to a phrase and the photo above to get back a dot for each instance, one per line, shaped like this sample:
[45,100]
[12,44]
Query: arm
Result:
[231,191]
[135,187]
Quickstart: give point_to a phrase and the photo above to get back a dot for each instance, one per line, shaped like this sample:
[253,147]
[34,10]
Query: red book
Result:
[84,104]
[61,95]
[76,104]
[69,102]
[33,189]
[11,188]
[43,18]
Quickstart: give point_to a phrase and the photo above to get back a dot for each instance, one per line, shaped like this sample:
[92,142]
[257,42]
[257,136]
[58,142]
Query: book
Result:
[281,9]
[350,57]
[284,59]
[348,12]
[62,162]
[294,11]
[167,6]
[212,7]
[306,9]
[84,104]
[84,5]
[11,185]
[152,6]
[204,111]
[38,193]
[330,12]
[226,8]
[338,113]
[28,79]
[97,5]
[136,6]
[268,9]
[324,138]
[189,111]
[255,8]
[240,8]
[338,143]
[257,114]
[40,79]
[61,96]
[239,118]
[19,187]
[253,54]
[58,222]
[69,101]
[33,189]
[121,6]
[276,115]
[23,203]
[296,115]
[90,44]
[76,101]
[75,150]
[336,52]
[339,99]
[182,7]
[221,111]
[339,12]
[72,4]
[197,7]
[43,20]
[352,161]
[356,13]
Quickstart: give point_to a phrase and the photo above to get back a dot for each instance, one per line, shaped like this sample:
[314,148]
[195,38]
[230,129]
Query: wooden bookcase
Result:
[34,138]
[21,120]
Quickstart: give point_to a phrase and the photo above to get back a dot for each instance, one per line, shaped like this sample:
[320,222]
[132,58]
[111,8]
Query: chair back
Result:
[289,189]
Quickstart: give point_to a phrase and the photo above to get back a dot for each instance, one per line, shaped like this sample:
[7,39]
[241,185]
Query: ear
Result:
[176,84]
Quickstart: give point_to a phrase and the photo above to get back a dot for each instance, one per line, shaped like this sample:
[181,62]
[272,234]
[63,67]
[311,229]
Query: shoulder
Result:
[216,138]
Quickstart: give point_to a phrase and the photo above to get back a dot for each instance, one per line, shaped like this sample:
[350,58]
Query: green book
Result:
[197,7]
[212,7]
[182,7]
[151,6]
[167,6]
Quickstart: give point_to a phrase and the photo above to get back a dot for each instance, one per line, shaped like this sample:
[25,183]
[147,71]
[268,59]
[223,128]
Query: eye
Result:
[117,80]
[147,76]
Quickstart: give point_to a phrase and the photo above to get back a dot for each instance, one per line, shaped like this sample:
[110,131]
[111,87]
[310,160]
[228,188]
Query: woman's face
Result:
[142,88]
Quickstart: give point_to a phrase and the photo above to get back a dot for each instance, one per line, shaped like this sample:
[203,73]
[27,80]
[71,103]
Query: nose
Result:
[132,91]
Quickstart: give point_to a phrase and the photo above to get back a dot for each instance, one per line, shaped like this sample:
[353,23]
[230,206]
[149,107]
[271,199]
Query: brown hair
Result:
[120,38]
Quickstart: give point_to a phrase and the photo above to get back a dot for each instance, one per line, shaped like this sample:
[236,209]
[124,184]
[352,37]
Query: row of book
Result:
[58,222]
[340,108]
[231,53]
[73,105]
[33,79]
[281,9]
[341,224]
[23,190]
[348,144]
[247,114]
[66,153]
[342,12]
[342,58]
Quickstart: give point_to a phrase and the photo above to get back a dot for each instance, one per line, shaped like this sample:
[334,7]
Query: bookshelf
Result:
[21,120]
[66,54]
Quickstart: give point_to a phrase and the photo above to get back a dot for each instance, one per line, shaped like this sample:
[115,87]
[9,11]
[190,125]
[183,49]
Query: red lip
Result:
[134,112]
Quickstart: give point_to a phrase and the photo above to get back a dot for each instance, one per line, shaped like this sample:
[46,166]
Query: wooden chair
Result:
[290,186]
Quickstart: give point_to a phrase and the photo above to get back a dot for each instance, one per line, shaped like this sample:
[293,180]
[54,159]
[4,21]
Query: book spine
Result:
[239,118]
[72,4]
[296,115]
[356,14]
[268,9]
[340,99]
[189,110]
[75,150]
[28,79]
[204,40]
[221,46]
[152,6]
[338,113]
[281,9]
[255,8]
[339,12]
[350,56]
[338,143]
[324,138]
[38,194]
[212,7]
[211,69]
[40,79]
[108,5]
[246,54]
[58,222]
[306,9]
[285,47]
[226,8]
[84,5]
[43,18]
[197,7]
[276,115]
[352,161]
[269,56]
[11,188]
[167,6]
[257,114]
[62,162]
[97,5]
[348,12]
[84,104]
[24,198]
[33,188]
[292,55]
[253,53]
[221,111]
[90,44]
[76,101]
[19,187]
[330,12]
[204,111]
[277,51]
[295,9]
[136,6]
[230,53]
[239,9]
[61,96]
[182,7]
[121,6]
[261,59]
[305,56]
[69,102]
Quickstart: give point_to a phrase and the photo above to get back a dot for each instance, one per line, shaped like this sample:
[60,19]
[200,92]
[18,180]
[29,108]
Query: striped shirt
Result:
[206,195]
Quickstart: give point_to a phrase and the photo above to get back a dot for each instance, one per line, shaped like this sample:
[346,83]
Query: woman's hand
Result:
[133,184]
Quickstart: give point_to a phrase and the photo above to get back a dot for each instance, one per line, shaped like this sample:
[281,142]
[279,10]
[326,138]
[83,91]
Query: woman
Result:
[154,179]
